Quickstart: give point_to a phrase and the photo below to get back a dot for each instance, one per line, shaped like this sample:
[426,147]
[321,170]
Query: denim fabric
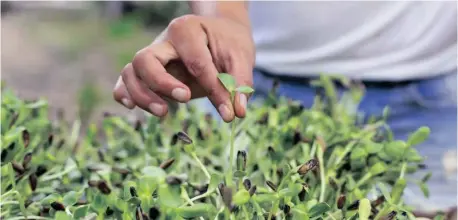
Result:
[431,102]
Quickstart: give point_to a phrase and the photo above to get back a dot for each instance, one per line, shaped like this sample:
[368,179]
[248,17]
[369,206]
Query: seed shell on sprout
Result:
[133,191]
[247,184]
[26,138]
[307,166]
[182,136]
[58,206]
[18,168]
[33,181]
[26,160]
[103,187]
[341,201]
[166,164]
[252,190]
[271,185]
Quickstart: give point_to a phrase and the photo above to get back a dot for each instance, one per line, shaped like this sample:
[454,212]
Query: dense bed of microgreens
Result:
[288,162]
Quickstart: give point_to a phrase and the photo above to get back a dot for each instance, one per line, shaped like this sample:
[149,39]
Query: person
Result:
[404,52]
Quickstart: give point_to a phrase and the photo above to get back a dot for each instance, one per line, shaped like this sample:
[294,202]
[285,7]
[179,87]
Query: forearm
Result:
[236,10]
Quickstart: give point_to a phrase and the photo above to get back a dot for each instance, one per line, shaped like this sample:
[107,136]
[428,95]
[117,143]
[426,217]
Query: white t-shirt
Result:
[383,40]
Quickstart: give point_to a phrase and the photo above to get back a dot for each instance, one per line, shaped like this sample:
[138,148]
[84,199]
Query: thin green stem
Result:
[245,212]
[9,202]
[18,196]
[403,170]
[322,174]
[28,217]
[231,153]
[57,175]
[185,196]
[201,165]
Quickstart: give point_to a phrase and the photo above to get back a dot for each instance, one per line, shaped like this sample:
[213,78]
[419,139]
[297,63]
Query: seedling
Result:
[296,163]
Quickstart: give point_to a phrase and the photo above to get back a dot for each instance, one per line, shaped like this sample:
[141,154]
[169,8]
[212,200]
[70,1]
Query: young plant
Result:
[231,86]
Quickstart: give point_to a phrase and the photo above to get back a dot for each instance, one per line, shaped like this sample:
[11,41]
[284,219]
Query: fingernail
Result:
[156,109]
[243,100]
[127,103]
[224,111]
[180,94]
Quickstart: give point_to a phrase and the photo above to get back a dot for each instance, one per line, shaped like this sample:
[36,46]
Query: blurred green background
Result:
[71,52]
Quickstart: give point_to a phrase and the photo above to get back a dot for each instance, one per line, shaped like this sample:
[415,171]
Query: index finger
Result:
[197,58]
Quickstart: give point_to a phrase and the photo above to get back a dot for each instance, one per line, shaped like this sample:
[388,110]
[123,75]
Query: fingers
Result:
[141,95]
[198,60]
[238,65]
[148,65]
[121,95]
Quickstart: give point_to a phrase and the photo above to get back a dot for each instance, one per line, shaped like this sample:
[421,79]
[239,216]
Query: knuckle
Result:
[139,59]
[181,22]
[197,66]
[125,72]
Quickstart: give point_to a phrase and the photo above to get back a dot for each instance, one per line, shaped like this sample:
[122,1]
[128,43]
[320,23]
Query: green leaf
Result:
[146,185]
[197,210]
[227,80]
[373,148]
[424,188]
[239,174]
[168,196]
[384,191]
[244,89]
[51,198]
[395,150]
[426,177]
[155,172]
[300,214]
[60,215]
[241,197]
[215,179]
[412,155]
[291,191]
[358,154]
[134,201]
[71,198]
[419,136]
[377,168]
[364,209]
[99,203]
[319,209]
[265,197]
[80,212]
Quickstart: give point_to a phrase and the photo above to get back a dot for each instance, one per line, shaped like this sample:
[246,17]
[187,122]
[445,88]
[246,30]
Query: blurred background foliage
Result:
[71,52]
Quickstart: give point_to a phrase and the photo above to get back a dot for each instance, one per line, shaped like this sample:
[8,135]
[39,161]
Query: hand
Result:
[183,63]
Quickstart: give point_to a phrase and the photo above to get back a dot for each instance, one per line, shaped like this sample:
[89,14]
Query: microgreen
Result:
[291,162]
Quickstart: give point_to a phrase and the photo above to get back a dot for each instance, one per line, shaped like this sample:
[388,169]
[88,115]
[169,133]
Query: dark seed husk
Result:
[241,160]
[109,211]
[18,168]
[145,216]
[154,213]
[286,209]
[227,196]
[252,190]
[138,213]
[391,215]
[174,139]
[27,203]
[354,205]
[307,166]
[26,160]
[50,139]
[121,170]
[41,169]
[303,192]
[33,181]
[271,185]
[173,180]
[58,206]
[378,201]
[100,155]
[247,184]
[341,201]
[60,144]
[166,164]
[103,187]
[138,125]
[182,136]
[4,154]
[26,138]
[220,188]
[133,191]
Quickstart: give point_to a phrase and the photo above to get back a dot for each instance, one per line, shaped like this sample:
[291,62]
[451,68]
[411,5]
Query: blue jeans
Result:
[431,102]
